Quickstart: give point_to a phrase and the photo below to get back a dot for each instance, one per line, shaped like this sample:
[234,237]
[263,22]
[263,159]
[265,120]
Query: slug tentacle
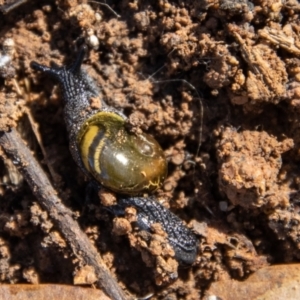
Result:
[75,67]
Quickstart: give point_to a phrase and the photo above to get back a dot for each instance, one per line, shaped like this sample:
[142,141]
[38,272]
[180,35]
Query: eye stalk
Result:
[100,144]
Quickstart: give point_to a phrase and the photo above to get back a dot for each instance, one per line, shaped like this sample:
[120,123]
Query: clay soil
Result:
[217,83]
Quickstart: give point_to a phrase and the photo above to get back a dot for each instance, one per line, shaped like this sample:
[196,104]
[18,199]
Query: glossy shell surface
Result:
[118,159]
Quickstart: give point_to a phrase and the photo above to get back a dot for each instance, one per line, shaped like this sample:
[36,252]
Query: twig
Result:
[35,128]
[15,148]
[107,6]
[6,8]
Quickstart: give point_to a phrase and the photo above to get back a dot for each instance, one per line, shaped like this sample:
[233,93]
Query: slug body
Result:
[99,141]
[183,240]
[122,161]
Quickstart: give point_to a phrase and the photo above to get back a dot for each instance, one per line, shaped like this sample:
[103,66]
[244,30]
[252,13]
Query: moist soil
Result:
[217,83]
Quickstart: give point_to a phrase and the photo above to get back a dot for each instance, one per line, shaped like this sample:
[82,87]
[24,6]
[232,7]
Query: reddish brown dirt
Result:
[160,62]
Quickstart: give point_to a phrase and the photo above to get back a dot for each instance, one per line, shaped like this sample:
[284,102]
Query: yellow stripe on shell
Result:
[85,144]
[88,133]
[97,152]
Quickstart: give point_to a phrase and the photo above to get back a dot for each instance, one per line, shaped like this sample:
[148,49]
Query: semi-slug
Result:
[118,159]
[100,144]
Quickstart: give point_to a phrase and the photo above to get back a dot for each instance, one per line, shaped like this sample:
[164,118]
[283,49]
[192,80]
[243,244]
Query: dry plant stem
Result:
[35,128]
[15,149]
[11,6]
